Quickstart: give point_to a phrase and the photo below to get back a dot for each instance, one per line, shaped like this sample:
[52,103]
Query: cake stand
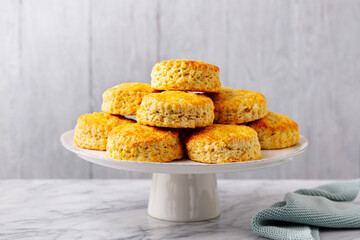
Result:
[184,190]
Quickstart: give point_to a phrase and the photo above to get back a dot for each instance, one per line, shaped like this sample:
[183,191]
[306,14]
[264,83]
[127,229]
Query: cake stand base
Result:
[184,197]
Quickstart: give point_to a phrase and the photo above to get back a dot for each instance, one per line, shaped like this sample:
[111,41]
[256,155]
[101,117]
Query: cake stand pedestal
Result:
[184,190]
[184,197]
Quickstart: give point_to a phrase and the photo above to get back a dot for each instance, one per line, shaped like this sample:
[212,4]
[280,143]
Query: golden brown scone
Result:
[276,131]
[125,98]
[137,142]
[92,129]
[236,106]
[175,109]
[221,143]
[185,75]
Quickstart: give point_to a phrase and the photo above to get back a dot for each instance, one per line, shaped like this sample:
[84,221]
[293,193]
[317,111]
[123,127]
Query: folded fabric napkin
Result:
[302,212]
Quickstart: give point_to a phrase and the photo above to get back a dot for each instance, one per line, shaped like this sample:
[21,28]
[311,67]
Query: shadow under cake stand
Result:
[184,190]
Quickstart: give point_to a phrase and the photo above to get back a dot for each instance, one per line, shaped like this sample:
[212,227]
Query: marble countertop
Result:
[116,209]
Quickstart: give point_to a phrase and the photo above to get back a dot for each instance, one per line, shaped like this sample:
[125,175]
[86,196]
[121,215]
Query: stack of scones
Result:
[217,125]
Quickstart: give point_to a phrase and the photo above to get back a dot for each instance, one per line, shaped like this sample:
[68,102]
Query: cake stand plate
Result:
[184,190]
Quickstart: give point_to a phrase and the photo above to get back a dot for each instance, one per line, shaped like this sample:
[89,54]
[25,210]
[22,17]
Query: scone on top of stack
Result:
[165,111]
[185,75]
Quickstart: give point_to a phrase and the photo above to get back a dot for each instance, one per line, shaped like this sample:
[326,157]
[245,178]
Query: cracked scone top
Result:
[176,109]
[125,98]
[221,143]
[185,75]
[137,142]
[236,106]
[92,129]
[276,131]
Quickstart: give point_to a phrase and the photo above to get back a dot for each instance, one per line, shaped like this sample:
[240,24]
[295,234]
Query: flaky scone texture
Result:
[176,109]
[137,142]
[125,98]
[185,75]
[236,106]
[92,129]
[276,131]
[221,143]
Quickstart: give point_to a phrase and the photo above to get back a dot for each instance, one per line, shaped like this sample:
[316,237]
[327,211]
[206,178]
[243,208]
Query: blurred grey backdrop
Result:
[57,57]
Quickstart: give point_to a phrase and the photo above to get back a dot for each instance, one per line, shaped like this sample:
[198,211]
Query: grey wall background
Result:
[57,57]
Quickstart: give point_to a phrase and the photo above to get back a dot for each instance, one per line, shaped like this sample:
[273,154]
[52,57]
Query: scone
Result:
[221,143]
[137,142]
[276,131]
[236,106]
[92,129]
[176,109]
[125,98]
[185,75]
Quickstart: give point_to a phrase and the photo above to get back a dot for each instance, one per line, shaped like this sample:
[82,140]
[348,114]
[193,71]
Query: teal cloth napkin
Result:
[302,212]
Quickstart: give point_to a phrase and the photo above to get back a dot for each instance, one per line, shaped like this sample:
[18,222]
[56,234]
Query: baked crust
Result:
[185,75]
[237,106]
[92,129]
[137,142]
[125,98]
[176,109]
[276,131]
[221,143]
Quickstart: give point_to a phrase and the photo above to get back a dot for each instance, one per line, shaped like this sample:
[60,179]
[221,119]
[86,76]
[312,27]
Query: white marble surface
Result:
[116,209]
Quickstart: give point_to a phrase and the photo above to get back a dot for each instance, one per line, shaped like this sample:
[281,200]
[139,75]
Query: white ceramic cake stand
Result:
[184,190]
